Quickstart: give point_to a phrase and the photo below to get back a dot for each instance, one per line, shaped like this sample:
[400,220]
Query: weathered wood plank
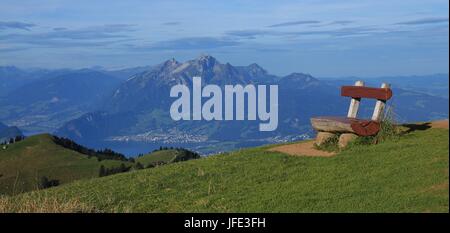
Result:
[380,105]
[345,125]
[332,124]
[366,92]
[354,103]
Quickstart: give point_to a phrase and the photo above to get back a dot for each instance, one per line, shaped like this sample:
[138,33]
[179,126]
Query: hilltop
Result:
[406,174]
[165,156]
[24,163]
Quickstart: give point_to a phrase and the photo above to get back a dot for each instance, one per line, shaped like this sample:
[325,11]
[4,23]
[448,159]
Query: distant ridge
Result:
[137,110]
[8,132]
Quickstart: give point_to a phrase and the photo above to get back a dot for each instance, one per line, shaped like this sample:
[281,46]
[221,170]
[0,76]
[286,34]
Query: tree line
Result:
[182,155]
[45,182]
[99,154]
[113,170]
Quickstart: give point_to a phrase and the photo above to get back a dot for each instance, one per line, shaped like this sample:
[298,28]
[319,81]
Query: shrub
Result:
[331,144]
[45,182]
[138,166]
[389,130]
[114,170]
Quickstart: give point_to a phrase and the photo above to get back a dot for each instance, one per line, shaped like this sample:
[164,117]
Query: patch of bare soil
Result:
[442,124]
[304,148]
[437,188]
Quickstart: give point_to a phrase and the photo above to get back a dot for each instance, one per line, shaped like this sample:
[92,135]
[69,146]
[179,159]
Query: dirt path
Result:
[442,124]
[304,148]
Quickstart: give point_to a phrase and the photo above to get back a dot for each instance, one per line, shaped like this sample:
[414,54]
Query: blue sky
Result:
[323,38]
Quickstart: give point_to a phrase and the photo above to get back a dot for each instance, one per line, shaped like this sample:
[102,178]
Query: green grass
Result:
[409,174]
[165,156]
[23,163]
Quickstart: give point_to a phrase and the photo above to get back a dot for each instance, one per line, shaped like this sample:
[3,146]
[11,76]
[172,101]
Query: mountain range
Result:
[45,100]
[131,106]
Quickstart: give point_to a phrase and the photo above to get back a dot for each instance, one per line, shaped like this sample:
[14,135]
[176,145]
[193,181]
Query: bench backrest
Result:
[359,91]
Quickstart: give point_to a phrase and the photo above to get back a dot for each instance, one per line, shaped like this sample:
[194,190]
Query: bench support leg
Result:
[346,138]
[322,137]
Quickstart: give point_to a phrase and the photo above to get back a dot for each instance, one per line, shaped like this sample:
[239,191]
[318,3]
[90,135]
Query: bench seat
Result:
[335,124]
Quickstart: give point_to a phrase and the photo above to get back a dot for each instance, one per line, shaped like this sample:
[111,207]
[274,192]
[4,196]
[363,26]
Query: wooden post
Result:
[354,103]
[379,106]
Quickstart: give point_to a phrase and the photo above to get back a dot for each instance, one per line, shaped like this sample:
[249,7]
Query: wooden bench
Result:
[350,127]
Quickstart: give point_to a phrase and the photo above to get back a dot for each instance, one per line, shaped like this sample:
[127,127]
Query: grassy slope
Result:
[165,156]
[408,175]
[23,163]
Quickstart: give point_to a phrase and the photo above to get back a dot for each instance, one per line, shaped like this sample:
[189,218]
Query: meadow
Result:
[405,174]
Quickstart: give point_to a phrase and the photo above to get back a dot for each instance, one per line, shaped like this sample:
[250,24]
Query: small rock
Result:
[322,137]
[346,138]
